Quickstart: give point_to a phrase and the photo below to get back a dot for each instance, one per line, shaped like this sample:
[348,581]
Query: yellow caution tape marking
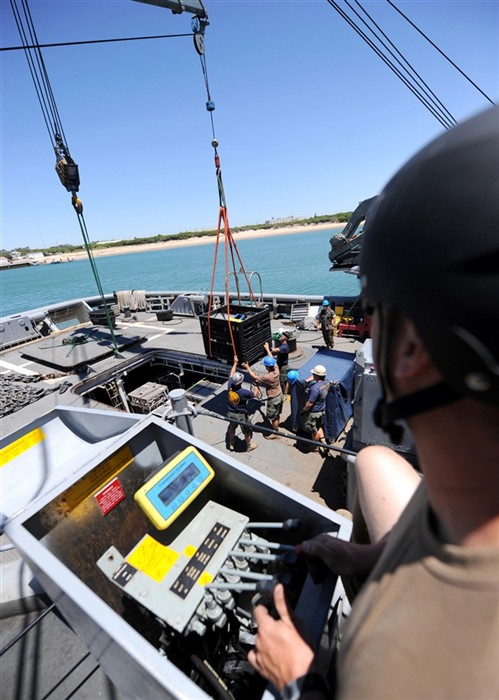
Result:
[21,445]
[97,478]
[205,578]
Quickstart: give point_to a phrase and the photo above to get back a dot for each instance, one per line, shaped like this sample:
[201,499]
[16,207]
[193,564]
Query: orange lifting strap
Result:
[231,252]
[199,25]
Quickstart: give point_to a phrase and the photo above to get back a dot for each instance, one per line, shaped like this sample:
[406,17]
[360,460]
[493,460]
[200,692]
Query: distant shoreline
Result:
[101,251]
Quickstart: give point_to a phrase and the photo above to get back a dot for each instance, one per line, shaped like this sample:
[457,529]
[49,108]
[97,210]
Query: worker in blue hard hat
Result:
[270,381]
[294,396]
[325,320]
[291,378]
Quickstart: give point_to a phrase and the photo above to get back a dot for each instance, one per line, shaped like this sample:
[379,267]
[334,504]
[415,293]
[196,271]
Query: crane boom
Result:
[195,7]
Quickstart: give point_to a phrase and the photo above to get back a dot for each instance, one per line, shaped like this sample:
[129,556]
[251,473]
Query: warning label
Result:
[110,496]
[152,558]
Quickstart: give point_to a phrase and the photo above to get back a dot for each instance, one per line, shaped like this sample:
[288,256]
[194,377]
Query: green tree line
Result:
[66,248]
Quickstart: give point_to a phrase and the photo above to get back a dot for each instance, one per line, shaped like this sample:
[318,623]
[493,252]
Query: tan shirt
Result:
[270,381]
[426,624]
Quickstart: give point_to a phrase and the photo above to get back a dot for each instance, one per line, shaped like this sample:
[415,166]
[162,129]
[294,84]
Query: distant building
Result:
[35,256]
[284,220]
[116,240]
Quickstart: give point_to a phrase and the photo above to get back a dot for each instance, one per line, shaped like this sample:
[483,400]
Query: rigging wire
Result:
[92,41]
[231,251]
[43,73]
[426,89]
[66,167]
[389,63]
[48,118]
[440,52]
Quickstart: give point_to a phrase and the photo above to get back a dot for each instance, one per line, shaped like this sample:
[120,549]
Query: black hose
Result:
[212,678]
[25,631]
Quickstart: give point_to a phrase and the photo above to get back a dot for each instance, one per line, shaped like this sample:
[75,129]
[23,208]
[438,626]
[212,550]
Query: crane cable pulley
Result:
[66,168]
[223,227]
[68,173]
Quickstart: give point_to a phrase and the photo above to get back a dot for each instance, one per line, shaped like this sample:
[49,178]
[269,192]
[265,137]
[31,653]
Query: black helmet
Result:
[431,247]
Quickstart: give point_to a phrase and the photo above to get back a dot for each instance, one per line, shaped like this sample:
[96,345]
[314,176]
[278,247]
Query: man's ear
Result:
[410,358]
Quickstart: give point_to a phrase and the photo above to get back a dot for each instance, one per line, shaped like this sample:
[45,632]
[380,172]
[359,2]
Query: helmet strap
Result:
[387,413]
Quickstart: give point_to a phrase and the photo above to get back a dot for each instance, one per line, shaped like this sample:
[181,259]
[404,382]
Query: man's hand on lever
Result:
[281,654]
[342,558]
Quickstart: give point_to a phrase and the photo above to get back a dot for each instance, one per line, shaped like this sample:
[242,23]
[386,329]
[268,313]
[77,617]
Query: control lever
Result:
[265,597]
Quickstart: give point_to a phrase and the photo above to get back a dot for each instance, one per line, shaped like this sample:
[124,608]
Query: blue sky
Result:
[309,120]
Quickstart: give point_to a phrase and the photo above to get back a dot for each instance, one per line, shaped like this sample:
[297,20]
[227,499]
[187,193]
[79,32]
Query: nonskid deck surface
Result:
[284,460]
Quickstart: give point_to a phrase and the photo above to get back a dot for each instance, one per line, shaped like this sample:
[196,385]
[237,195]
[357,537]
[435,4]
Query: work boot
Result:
[324,452]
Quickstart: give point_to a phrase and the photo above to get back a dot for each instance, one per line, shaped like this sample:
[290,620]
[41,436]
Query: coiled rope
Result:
[14,395]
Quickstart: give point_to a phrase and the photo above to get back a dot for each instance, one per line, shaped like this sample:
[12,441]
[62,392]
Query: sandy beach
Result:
[101,250]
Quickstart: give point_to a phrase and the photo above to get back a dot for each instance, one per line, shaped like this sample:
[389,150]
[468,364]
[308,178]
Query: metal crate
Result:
[147,397]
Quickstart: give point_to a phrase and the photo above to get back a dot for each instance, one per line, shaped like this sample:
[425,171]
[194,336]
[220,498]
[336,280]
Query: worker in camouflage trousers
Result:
[325,321]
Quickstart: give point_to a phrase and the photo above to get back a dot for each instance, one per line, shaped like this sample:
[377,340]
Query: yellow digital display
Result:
[168,493]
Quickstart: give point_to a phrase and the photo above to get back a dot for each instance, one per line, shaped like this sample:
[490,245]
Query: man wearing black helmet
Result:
[281,354]
[426,622]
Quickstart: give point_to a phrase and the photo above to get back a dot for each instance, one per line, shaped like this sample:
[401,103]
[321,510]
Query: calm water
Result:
[288,264]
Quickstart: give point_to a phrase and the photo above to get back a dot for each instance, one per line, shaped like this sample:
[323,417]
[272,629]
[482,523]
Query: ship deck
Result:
[50,661]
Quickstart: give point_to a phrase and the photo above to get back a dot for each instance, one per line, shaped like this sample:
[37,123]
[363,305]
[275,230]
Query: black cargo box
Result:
[250,328]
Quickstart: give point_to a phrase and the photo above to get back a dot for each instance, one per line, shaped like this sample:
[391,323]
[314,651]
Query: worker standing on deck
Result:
[237,408]
[425,623]
[281,354]
[292,379]
[313,411]
[275,398]
[325,321]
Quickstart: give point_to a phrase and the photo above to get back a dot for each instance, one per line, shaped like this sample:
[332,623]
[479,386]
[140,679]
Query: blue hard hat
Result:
[293,375]
[325,302]
[269,361]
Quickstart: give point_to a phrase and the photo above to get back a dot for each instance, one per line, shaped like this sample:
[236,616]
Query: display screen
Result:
[171,491]
[174,486]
